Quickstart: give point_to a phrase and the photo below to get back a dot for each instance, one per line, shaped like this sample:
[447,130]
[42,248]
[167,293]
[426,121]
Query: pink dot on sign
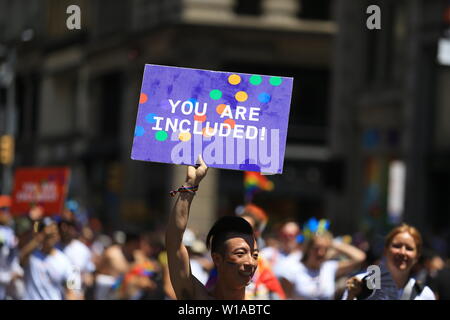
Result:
[231,122]
[143,98]
[200,118]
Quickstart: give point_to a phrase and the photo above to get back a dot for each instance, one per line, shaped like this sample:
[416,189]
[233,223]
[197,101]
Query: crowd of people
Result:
[66,257]
[299,264]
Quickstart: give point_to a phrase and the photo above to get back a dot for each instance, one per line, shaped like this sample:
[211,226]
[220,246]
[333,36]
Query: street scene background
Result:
[368,144]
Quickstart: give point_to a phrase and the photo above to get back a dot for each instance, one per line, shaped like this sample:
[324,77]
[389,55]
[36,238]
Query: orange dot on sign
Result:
[143,98]
[220,108]
[200,118]
[231,122]
[185,136]
[208,131]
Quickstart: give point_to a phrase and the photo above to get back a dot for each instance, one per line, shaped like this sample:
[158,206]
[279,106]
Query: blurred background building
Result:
[368,141]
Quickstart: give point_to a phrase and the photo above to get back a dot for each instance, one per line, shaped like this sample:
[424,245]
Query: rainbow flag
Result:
[144,269]
[255,182]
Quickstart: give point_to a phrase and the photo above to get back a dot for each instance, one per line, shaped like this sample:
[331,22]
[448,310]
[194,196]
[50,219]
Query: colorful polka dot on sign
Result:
[150,118]
[230,122]
[208,132]
[200,118]
[275,81]
[221,108]
[215,94]
[264,97]
[139,131]
[241,96]
[161,135]
[185,136]
[193,100]
[143,98]
[255,80]
[234,79]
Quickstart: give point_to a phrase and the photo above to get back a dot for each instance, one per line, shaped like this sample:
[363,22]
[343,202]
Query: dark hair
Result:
[223,227]
[132,237]
[44,223]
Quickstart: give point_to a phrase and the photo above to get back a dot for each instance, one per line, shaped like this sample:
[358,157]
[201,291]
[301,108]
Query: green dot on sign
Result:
[255,80]
[161,136]
[215,94]
[275,81]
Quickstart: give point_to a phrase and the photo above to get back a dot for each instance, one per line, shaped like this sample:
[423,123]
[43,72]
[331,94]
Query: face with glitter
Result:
[237,260]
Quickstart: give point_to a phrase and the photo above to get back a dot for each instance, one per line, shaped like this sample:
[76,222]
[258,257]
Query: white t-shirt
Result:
[312,284]
[280,260]
[46,275]
[388,285]
[79,255]
[198,271]
[9,260]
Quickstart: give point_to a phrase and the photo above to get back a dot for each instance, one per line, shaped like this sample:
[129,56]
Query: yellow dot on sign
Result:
[234,79]
[241,96]
[185,136]
[208,131]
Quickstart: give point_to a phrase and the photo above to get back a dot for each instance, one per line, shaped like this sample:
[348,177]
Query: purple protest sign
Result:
[235,120]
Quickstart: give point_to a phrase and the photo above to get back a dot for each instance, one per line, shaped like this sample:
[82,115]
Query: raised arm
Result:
[355,258]
[178,258]
[32,244]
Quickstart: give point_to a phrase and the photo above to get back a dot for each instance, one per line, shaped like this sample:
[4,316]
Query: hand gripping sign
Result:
[235,120]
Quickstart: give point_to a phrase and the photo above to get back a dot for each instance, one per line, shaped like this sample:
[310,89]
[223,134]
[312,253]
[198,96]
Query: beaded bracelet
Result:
[184,189]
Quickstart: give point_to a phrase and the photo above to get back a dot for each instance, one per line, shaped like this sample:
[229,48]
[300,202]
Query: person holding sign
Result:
[231,240]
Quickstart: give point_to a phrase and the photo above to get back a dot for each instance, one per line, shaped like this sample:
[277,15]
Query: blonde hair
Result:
[309,243]
[408,229]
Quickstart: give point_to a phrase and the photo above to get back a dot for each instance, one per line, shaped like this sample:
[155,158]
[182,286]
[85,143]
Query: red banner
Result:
[46,187]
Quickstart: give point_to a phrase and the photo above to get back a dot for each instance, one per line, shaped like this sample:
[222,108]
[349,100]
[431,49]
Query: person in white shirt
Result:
[10,269]
[402,249]
[288,252]
[313,277]
[78,253]
[49,274]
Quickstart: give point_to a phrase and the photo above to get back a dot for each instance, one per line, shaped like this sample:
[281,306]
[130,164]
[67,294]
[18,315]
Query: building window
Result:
[111,17]
[386,47]
[110,104]
[247,7]
[315,9]
[27,90]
